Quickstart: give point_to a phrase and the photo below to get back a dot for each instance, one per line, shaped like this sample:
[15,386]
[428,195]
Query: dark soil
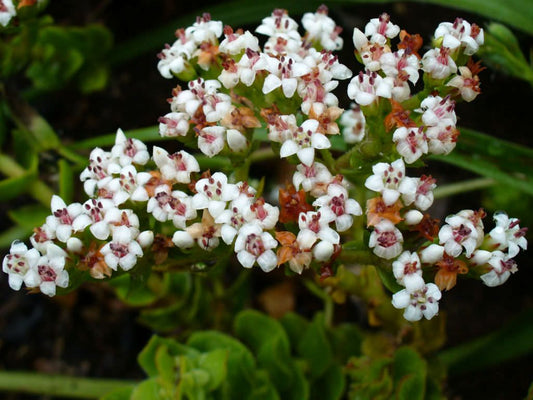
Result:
[90,333]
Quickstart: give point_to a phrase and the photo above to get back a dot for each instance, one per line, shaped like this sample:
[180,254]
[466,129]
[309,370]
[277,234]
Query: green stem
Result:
[329,161]
[59,385]
[263,154]
[326,298]
[462,187]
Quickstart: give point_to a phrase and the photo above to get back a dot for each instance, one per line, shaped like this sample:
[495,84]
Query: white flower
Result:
[129,185]
[399,65]
[204,30]
[261,213]
[501,267]
[438,63]
[413,217]
[284,73]
[279,24]
[117,217]
[236,140]
[458,232]
[96,209]
[313,226]
[237,42]
[175,206]
[370,52]
[211,140]
[253,245]
[18,263]
[213,193]
[129,151]
[423,196]
[173,59]
[206,234]
[379,29]
[410,142]
[367,88]
[390,181]
[408,272]
[123,250]
[66,220]
[304,141]
[438,111]
[204,95]
[42,236]
[421,303]
[174,124]
[314,178]
[337,203]
[175,167]
[460,33]
[353,124]
[467,84]
[7,11]
[507,234]
[233,218]
[386,240]
[322,29]
[50,272]
[99,172]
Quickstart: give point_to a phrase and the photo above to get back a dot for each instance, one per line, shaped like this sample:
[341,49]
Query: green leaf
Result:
[263,389]
[215,363]
[119,394]
[93,77]
[409,374]
[256,329]
[240,361]
[295,326]
[147,357]
[329,385]
[148,389]
[314,347]
[388,279]
[131,292]
[14,187]
[346,340]
[29,216]
[14,233]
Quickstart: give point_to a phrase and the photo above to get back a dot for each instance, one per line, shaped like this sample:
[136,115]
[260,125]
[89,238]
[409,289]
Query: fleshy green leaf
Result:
[330,385]
[409,374]
[147,356]
[314,347]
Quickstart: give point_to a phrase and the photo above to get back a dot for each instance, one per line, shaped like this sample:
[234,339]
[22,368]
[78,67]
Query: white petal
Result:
[267,261]
[246,259]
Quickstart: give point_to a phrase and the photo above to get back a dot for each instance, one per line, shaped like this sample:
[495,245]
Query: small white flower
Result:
[284,73]
[66,220]
[145,239]
[96,209]
[322,29]
[236,140]
[253,245]
[467,84]
[7,11]
[408,272]
[399,65]
[367,88]
[313,178]
[337,203]
[129,151]
[237,42]
[458,233]
[175,167]
[117,217]
[171,205]
[211,140]
[501,268]
[370,52]
[438,111]
[423,196]
[18,263]
[123,250]
[49,271]
[507,234]
[173,59]
[460,33]
[204,30]
[233,218]
[410,142]
[205,233]
[129,185]
[261,213]
[390,181]
[213,193]
[42,236]
[304,141]
[279,24]
[174,124]
[386,240]
[314,226]
[99,172]
[380,29]
[353,124]
[204,95]
[438,63]
[421,303]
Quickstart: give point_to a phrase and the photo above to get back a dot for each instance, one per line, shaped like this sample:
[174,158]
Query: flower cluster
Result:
[243,99]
